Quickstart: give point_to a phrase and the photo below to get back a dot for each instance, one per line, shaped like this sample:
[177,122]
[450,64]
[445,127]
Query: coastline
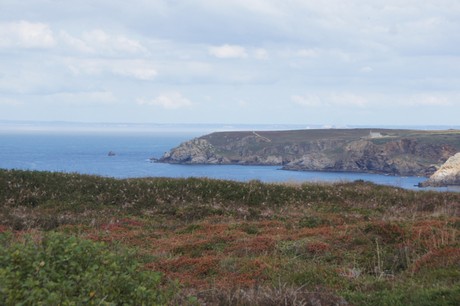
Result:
[87,154]
[382,151]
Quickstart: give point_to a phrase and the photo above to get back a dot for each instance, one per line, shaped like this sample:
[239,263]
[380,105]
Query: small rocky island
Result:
[385,151]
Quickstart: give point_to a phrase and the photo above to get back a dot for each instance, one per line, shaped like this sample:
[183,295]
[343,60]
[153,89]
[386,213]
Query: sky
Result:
[331,62]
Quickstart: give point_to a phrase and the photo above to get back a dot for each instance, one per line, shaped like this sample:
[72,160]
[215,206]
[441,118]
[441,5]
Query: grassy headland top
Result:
[296,136]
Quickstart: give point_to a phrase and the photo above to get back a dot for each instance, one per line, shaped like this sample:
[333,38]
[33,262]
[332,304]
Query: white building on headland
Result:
[375,135]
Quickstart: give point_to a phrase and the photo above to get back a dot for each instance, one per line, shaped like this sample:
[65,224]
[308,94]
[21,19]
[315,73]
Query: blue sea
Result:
[86,152]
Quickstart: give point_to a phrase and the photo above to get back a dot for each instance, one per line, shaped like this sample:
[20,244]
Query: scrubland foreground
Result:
[69,239]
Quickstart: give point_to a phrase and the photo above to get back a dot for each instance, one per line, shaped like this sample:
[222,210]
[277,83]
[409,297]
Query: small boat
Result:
[111,153]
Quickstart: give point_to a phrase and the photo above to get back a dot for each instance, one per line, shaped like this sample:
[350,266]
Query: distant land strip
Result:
[385,151]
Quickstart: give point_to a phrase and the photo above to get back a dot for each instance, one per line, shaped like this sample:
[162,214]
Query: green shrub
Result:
[65,270]
[312,222]
[406,297]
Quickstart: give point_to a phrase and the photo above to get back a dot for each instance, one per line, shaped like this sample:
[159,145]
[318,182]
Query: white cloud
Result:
[136,69]
[10,102]
[258,6]
[100,42]
[261,54]
[348,99]
[252,7]
[75,43]
[366,69]
[429,100]
[228,51]
[24,34]
[343,100]
[330,100]
[172,100]
[367,57]
[307,100]
[82,98]
[234,51]
[307,53]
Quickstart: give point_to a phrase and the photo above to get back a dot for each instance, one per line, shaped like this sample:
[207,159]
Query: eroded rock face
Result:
[447,175]
[401,157]
[195,151]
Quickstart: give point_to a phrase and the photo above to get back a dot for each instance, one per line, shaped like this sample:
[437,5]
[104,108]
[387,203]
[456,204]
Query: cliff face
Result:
[196,151]
[448,174]
[397,152]
[396,157]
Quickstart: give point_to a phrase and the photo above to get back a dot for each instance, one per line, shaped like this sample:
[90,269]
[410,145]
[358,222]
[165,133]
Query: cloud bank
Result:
[303,62]
[171,101]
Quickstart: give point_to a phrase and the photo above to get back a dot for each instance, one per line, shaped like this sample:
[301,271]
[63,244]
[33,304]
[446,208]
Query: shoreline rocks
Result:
[447,175]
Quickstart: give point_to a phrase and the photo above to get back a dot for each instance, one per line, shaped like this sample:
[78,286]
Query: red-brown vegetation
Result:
[358,241]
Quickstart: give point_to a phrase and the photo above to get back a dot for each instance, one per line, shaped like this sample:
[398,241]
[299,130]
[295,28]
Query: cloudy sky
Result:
[338,62]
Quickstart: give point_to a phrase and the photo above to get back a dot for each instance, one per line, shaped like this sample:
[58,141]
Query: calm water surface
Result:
[88,154]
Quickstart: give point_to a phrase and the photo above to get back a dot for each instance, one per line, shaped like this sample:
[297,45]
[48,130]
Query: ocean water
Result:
[87,153]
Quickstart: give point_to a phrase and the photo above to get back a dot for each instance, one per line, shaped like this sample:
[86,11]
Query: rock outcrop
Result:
[195,151]
[447,175]
[395,152]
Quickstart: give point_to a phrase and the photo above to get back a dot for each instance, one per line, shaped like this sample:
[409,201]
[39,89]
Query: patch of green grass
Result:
[313,221]
[251,229]
[190,229]
[197,249]
[406,295]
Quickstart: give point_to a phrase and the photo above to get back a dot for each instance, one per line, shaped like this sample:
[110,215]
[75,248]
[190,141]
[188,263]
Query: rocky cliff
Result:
[396,152]
[447,175]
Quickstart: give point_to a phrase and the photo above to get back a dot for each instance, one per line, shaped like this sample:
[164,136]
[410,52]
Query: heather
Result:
[231,243]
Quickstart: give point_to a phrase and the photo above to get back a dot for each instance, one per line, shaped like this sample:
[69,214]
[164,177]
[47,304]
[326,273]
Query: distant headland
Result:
[386,151]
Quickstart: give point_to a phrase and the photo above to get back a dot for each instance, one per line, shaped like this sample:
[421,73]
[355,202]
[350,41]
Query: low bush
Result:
[63,270]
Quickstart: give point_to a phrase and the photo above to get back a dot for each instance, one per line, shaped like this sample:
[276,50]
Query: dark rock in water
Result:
[111,153]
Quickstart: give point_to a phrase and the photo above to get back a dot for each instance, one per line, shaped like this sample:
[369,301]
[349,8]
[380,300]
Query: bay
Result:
[88,153]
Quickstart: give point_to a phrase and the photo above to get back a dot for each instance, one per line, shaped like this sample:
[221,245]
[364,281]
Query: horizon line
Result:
[306,125]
